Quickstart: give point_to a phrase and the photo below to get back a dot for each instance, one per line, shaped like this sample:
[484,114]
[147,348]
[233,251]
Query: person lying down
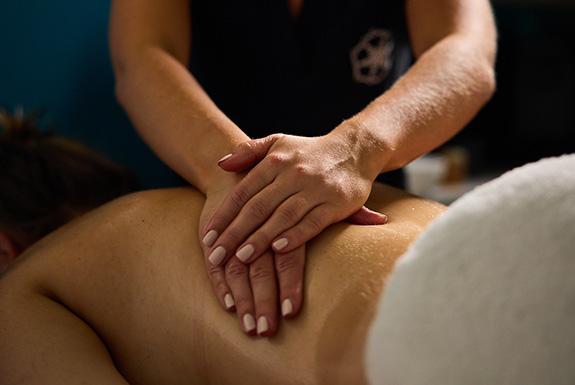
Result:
[120,296]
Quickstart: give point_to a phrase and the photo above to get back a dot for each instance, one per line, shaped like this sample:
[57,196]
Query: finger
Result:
[365,216]
[264,288]
[288,214]
[255,212]
[257,179]
[237,277]
[247,154]
[310,226]
[290,268]
[220,287]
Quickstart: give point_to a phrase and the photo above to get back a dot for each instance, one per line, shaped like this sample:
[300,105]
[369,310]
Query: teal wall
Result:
[54,56]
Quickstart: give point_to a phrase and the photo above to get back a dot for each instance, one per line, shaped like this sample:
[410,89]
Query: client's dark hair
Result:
[46,180]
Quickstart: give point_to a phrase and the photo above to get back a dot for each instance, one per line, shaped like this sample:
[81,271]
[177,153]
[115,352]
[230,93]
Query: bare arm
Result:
[454,42]
[150,46]
[305,184]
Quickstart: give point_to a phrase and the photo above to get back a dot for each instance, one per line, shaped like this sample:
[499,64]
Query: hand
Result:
[252,290]
[299,187]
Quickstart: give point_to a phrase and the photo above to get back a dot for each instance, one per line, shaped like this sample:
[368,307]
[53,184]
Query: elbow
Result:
[121,79]
[120,91]
[490,82]
[125,63]
[486,81]
[487,70]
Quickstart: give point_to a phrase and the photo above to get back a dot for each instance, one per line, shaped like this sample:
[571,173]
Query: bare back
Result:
[124,290]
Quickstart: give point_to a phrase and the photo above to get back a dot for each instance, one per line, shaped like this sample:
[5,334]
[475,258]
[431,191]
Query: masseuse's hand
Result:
[252,290]
[298,187]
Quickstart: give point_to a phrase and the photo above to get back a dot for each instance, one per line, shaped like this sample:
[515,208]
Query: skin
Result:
[454,42]
[301,185]
[120,296]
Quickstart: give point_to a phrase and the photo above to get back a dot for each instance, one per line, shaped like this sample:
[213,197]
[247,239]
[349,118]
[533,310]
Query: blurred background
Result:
[54,57]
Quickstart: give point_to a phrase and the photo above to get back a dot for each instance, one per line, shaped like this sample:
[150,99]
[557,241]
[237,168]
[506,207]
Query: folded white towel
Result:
[487,294]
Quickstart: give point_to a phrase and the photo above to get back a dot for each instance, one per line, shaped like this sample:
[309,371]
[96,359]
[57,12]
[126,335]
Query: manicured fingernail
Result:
[287,307]
[217,256]
[229,301]
[280,244]
[225,158]
[262,325]
[245,252]
[210,238]
[249,322]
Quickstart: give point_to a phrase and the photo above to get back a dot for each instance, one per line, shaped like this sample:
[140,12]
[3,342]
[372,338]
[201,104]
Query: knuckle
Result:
[276,136]
[221,287]
[239,197]
[302,170]
[259,272]
[213,272]
[235,269]
[324,178]
[338,189]
[257,209]
[315,224]
[286,263]
[276,159]
[288,214]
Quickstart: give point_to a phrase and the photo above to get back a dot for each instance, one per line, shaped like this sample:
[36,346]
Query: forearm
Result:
[175,116]
[436,98]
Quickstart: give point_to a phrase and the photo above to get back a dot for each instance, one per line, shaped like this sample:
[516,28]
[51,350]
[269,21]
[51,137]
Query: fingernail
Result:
[210,238]
[262,325]
[249,322]
[229,301]
[217,256]
[245,252]
[287,307]
[280,244]
[225,158]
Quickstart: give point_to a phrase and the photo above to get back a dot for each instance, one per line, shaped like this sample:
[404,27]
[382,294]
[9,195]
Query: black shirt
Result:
[270,72]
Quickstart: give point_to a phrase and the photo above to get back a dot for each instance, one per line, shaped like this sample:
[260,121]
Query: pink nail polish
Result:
[287,307]
[225,158]
[217,256]
[263,325]
[249,322]
[245,253]
[229,301]
[280,244]
[210,238]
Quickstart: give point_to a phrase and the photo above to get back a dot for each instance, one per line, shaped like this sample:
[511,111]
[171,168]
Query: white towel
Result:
[487,294]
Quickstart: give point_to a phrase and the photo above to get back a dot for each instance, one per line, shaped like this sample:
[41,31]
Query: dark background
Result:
[532,114]
[54,57]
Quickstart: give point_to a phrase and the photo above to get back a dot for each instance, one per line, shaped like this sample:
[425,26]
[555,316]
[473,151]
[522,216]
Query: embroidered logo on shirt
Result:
[371,58]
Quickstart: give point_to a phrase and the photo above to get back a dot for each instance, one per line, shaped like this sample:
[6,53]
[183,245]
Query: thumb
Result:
[247,154]
[365,216]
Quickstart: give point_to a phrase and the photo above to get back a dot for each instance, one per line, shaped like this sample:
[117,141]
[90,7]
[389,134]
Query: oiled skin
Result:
[126,284]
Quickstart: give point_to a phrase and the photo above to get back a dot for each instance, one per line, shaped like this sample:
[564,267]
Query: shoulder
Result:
[143,203]
[130,223]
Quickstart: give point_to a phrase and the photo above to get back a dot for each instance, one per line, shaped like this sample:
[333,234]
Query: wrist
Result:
[371,152]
